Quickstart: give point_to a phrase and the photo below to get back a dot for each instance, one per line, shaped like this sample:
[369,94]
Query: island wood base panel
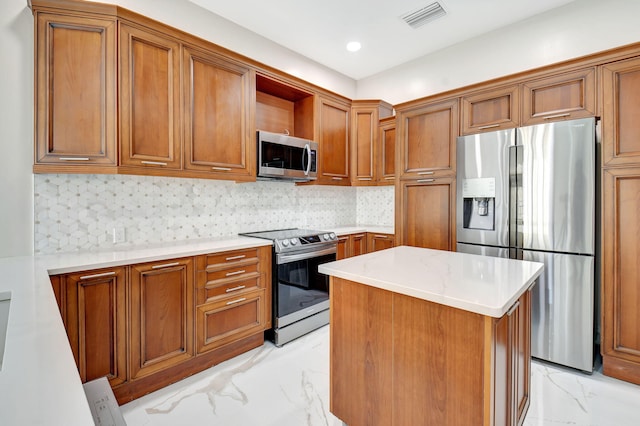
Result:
[399,360]
[129,391]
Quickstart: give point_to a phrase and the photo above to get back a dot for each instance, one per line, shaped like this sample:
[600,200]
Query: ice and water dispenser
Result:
[478,203]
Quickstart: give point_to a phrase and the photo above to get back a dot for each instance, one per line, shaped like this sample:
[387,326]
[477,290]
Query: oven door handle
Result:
[282,258]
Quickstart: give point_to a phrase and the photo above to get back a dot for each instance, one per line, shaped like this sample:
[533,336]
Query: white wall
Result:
[574,30]
[186,16]
[16,128]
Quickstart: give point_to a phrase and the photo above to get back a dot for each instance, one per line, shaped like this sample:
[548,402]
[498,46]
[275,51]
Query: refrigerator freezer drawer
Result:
[562,309]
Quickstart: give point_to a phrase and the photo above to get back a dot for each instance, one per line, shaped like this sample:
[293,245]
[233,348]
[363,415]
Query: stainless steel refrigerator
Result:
[530,193]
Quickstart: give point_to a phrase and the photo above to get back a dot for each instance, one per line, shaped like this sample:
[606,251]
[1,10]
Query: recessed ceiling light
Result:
[353,46]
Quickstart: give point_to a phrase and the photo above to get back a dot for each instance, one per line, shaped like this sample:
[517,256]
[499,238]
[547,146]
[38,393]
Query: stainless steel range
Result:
[300,292]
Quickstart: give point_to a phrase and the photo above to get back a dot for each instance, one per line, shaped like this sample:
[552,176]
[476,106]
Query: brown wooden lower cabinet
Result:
[621,274]
[227,320]
[377,242]
[95,319]
[360,243]
[143,328]
[161,315]
[398,360]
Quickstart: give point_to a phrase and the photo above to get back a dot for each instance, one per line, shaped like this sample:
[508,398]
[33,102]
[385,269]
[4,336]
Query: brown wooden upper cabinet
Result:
[427,134]
[333,141]
[559,97]
[150,119]
[75,94]
[495,109]
[387,153]
[365,116]
[621,103]
[219,138]
[162,305]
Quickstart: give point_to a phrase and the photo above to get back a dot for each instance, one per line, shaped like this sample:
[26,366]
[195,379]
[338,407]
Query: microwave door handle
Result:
[308,151]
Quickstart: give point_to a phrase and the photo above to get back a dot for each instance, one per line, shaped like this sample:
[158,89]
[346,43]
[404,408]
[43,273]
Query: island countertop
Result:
[481,284]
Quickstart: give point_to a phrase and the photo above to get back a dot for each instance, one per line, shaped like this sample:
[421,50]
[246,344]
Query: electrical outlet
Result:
[119,235]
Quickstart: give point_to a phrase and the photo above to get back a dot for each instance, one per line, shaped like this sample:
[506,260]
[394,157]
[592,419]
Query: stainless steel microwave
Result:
[282,156]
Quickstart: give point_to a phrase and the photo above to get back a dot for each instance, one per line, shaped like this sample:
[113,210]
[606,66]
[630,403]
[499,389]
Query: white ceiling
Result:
[320,29]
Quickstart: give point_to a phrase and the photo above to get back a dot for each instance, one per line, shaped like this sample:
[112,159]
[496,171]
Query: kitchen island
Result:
[430,337]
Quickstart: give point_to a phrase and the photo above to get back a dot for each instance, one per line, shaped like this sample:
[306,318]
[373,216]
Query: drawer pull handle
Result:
[390,178]
[154,163]
[549,117]
[379,236]
[242,256]
[425,180]
[240,287]
[364,179]
[105,274]
[166,265]
[336,178]
[221,169]
[241,271]
[242,299]
[488,126]
[425,173]
[74,159]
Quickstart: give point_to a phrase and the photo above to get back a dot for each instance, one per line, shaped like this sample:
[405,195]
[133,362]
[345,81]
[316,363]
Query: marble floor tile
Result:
[289,386]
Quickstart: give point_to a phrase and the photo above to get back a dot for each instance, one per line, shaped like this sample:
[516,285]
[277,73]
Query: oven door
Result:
[300,287]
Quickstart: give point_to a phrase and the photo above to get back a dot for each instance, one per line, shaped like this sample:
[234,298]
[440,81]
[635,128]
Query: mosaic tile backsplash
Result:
[80,212]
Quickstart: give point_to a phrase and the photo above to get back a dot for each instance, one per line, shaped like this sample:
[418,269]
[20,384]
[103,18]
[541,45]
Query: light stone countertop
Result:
[481,284]
[39,381]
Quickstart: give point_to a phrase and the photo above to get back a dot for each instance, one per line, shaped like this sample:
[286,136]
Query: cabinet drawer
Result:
[227,259]
[233,318]
[220,288]
[207,278]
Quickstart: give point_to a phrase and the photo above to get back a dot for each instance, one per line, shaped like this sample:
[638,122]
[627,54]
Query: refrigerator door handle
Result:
[515,194]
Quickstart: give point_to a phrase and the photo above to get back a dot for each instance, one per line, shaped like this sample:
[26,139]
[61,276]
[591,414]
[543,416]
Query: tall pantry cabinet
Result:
[425,192]
[620,346]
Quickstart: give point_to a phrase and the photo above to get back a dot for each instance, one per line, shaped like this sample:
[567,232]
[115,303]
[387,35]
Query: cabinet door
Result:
[426,213]
[96,323]
[387,152]
[512,363]
[495,109]
[75,90]
[229,320]
[428,139]
[621,102]
[621,274]
[343,247]
[333,142]
[150,122]
[559,97]
[218,137]
[364,122]
[358,244]
[162,307]
[522,356]
[377,242]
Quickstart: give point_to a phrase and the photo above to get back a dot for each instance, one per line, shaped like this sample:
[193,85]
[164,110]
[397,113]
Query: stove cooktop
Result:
[295,238]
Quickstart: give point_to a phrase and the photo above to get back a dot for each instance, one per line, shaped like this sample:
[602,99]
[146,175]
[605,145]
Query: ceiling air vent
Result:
[421,16]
